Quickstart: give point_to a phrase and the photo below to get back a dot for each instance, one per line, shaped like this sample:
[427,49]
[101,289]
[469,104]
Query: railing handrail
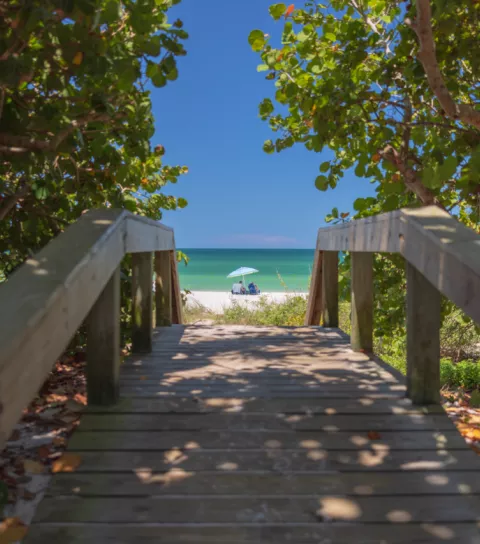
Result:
[446,252]
[442,256]
[47,299]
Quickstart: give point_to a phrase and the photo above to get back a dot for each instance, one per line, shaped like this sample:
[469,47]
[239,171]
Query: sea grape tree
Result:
[390,87]
[391,90]
[76,115]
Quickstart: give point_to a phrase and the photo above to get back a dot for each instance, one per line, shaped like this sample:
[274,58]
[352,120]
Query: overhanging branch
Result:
[427,56]
[410,177]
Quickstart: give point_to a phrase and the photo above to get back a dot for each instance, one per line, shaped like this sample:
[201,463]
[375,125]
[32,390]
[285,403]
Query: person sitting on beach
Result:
[238,288]
[253,288]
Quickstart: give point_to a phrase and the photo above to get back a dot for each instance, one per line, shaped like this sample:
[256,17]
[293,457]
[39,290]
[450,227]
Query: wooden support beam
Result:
[177,313]
[330,288]
[314,304]
[103,345]
[423,339]
[142,304]
[362,301]
[163,289]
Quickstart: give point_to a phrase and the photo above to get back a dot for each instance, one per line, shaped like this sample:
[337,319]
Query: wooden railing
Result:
[77,277]
[442,258]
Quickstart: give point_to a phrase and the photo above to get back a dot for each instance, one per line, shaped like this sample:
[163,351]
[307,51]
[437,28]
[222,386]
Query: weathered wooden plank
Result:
[423,339]
[194,377]
[264,394]
[292,509]
[360,405]
[163,289]
[142,304]
[379,233]
[146,235]
[320,380]
[281,460]
[228,384]
[103,345]
[161,440]
[362,301]
[144,482]
[446,253]
[258,533]
[314,303]
[330,288]
[252,421]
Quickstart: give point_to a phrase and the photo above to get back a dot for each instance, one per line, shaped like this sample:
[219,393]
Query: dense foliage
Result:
[391,90]
[76,116]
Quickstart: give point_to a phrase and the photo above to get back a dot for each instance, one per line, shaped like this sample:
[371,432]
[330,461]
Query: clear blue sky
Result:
[208,120]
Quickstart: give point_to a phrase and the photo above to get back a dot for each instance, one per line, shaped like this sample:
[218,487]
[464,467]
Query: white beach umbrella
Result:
[242,271]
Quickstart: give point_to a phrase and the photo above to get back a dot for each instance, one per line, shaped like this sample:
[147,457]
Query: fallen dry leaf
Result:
[34,467]
[373,435]
[78,58]
[82,399]
[43,452]
[11,530]
[59,441]
[143,377]
[68,462]
[469,432]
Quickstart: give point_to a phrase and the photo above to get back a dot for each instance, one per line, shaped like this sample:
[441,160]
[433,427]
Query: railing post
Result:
[142,304]
[163,289]
[330,288]
[103,345]
[177,310]
[314,303]
[362,301]
[423,339]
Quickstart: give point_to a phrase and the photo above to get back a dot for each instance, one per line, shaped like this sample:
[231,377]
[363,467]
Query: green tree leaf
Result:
[269,147]
[277,10]
[321,183]
[256,39]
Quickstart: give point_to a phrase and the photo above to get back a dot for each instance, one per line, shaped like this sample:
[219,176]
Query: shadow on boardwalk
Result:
[232,434]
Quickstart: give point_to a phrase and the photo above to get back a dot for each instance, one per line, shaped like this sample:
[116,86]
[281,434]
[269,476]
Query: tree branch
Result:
[10,201]
[410,177]
[427,56]
[407,133]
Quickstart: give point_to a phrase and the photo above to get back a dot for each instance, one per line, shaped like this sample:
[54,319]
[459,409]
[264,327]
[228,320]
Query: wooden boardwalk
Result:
[232,434]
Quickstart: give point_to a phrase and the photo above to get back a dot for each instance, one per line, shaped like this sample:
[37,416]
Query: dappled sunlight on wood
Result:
[399,516]
[439,531]
[271,435]
[337,508]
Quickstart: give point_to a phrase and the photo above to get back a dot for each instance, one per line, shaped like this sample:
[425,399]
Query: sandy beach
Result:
[217,301]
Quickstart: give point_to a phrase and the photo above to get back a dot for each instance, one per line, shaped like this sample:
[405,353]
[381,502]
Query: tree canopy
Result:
[391,89]
[76,115]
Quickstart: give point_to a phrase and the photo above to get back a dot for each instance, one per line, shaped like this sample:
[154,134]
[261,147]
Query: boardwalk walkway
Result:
[233,434]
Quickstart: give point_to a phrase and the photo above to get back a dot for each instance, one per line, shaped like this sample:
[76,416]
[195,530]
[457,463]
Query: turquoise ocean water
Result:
[208,268]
